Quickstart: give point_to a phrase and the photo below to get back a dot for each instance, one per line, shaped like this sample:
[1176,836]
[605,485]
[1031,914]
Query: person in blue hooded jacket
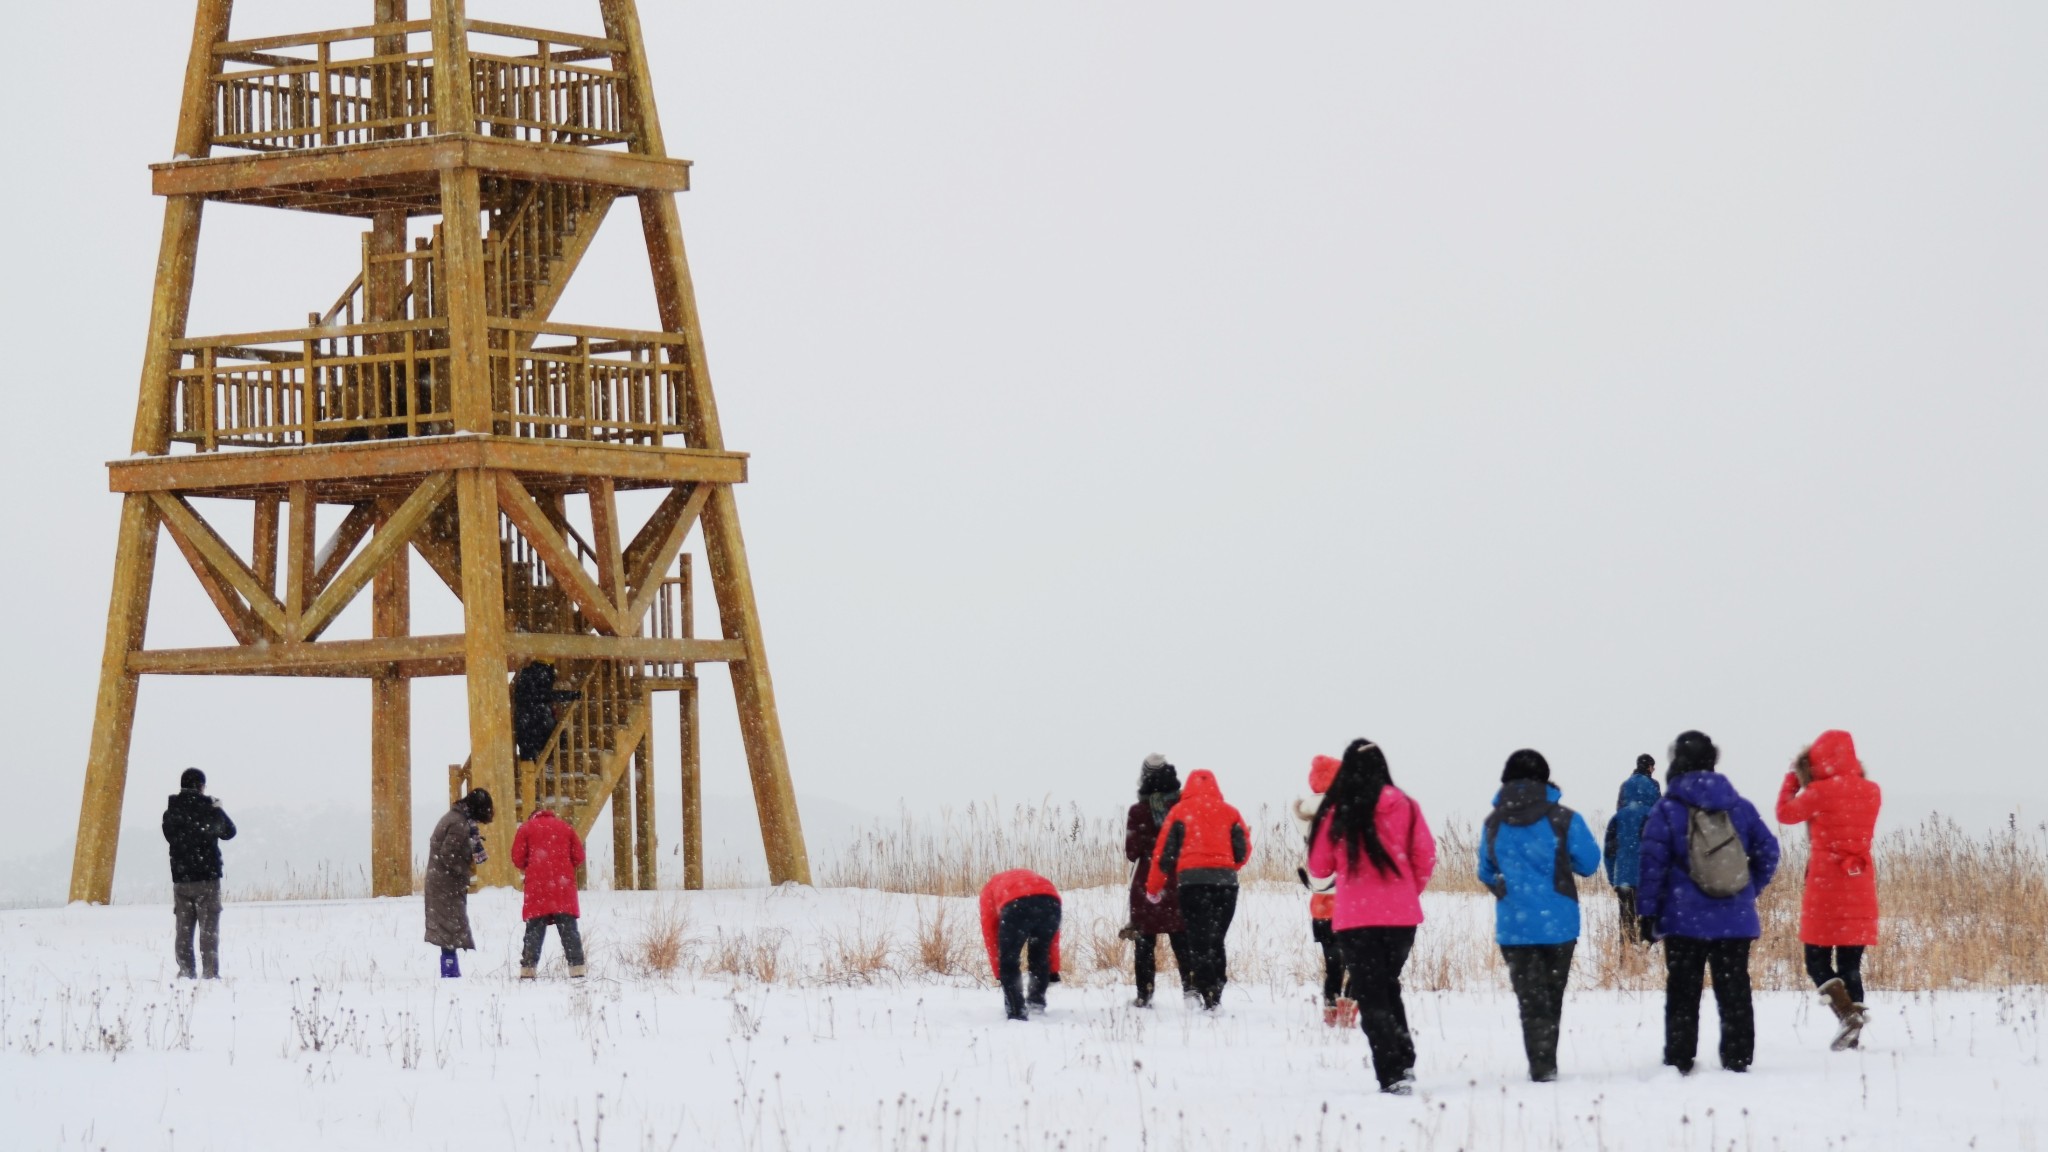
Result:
[1699,930]
[1529,851]
[1639,794]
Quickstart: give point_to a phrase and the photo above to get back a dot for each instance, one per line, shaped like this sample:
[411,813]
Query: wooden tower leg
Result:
[693,787]
[622,833]
[782,834]
[113,721]
[490,697]
[391,738]
[645,856]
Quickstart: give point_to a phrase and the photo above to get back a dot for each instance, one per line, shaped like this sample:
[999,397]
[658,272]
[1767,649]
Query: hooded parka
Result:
[1639,794]
[547,850]
[1667,891]
[1839,809]
[1202,833]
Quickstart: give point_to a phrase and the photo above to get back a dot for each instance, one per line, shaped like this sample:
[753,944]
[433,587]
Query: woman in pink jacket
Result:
[1373,839]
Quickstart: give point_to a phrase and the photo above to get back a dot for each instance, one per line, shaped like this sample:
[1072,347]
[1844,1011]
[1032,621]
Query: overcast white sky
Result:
[1220,380]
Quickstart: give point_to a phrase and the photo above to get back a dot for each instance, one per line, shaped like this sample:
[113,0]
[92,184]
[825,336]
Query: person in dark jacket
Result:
[454,849]
[1639,794]
[534,697]
[1158,792]
[194,825]
[1202,845]
[1529,851]
[1700,930]
[1020,924]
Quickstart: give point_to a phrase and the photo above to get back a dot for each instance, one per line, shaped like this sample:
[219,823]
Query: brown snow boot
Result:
[528,974]
[577,971]
[1847,1012]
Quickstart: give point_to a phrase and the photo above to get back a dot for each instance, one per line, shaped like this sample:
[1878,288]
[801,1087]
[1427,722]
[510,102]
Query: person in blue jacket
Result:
[1639,793]
[1529,851]
[1700,837]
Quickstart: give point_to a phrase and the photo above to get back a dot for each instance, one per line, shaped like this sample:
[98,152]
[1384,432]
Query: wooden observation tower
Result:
[436,408]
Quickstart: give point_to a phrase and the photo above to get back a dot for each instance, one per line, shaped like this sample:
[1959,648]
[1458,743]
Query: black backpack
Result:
[1560,818]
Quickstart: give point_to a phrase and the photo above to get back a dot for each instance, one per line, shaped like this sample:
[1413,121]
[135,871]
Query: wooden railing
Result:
[329,383]
[311,385]
[566,381]
[356,85]
[672,618]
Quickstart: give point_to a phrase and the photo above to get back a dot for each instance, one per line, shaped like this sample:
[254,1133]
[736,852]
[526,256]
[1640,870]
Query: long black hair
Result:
[1352,806]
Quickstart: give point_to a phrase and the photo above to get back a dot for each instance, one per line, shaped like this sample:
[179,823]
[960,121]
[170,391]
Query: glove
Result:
[1054,978]
[1152,899]
[1303,873]
[1648,927]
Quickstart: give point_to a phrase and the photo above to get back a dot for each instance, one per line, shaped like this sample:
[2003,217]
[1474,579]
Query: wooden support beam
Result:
[298,553]
[439,543]
[622,827]
[391,724]
[692,785]
[268,470]
[405,173]
[556,647]
[113,718]
[246,625]
[646,857]
[661,554]
[389,544]
[490,697]
[195,535]
[532,522]
[341,543]
[462,272]
[178,250]
[410,656]
[263,552]
[604,531]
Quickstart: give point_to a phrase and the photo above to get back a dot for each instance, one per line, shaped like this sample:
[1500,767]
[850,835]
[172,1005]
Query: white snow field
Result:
[331,1030]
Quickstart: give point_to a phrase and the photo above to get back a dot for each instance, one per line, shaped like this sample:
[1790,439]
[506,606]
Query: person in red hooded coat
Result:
[1020,916]
[1202,844]
[1827,791]
[547,850]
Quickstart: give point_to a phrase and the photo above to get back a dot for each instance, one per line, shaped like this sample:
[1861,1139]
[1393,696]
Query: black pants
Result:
[1685,958]
[1844,961]
[1630,925]
[1539,973]
[1208,910]
[1373,959]
[1145,962]
[537,935]
[1333,960]
[196,904]
[1026,926]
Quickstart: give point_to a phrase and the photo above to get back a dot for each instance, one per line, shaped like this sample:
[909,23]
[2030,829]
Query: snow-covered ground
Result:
[331,1031]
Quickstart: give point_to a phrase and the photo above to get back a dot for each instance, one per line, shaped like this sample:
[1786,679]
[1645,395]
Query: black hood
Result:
[1524,802]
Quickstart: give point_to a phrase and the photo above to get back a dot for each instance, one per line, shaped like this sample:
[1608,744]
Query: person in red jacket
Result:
[1020,913]
[1202,845]
[548,851]
[1827,791]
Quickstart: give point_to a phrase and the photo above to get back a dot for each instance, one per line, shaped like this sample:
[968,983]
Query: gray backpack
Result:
[1714,854]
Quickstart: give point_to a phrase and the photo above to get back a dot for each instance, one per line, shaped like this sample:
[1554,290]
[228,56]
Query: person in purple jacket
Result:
[1701,824]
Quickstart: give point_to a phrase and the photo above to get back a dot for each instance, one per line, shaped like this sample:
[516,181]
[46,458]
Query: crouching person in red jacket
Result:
[1020,913]
[547,850]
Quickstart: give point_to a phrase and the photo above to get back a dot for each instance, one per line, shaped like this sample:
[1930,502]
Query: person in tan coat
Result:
[453,852]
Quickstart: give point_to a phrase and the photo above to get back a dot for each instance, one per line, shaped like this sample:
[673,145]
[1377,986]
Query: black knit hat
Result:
[1693,751]
[478,805]
[1156,775]
[192,779]
[1527,764]
[1645,764]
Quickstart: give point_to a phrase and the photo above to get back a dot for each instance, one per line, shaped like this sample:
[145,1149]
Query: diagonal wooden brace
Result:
[532,521]
[660,553]
[384,547]
[194,535]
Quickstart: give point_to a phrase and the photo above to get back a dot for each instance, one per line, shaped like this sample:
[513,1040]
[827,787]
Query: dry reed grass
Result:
[663,941]
[1959,911]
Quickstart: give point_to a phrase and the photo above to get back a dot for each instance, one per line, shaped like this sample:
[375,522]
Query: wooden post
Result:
[645,857]
[391,733]
[490,697]
[263,555]
[462,271]
[693,785]
[622,833]
[731,580]
[113,720]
